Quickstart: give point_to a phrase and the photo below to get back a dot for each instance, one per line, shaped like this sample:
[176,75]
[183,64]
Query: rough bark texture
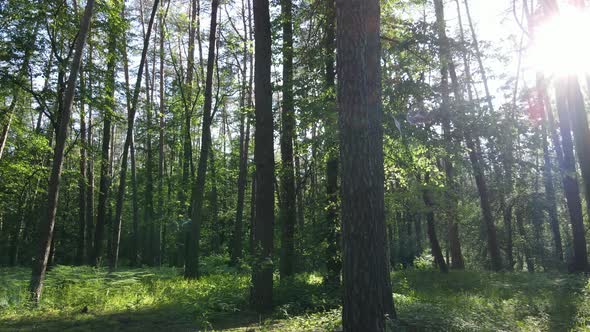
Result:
[263,223]
[40,264]
[367,289]
[288,203]
[192,261]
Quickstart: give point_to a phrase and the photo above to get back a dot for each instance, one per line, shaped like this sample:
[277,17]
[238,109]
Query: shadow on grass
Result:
[296,297]
[564,306]
[160,318]
[489,301]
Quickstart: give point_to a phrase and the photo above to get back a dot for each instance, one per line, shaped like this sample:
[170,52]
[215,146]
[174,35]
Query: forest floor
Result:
[152,299]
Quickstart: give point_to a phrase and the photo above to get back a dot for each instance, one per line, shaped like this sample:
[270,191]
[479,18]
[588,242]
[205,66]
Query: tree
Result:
[192,262]
[472,143]
[439,260]
[106,155]
[287,209]
[570,182]
[244,140]
[80,252]
[129,135]
[40,264]
[444,55]
[263,222]
[367,290]
[333,259]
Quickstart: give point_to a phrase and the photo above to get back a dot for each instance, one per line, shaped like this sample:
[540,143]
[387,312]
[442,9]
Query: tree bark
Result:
[287,208]
[367,289]
[40,264]
[263,223]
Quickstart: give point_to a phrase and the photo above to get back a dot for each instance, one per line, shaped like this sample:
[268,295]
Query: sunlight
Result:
[558,47]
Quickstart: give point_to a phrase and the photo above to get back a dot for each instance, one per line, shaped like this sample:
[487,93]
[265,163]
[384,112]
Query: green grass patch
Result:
[152,299]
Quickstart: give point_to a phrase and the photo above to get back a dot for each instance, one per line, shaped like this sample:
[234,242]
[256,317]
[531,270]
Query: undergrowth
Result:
[151,299]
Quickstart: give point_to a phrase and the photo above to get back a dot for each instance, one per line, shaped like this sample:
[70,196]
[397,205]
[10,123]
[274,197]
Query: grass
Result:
[152,299]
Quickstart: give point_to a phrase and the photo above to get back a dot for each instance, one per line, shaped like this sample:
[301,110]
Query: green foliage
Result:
[152,299]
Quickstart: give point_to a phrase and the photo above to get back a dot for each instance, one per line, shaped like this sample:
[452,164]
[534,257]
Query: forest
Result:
[294,165]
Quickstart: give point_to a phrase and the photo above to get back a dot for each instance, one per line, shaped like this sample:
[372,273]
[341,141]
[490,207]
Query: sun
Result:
[559,44]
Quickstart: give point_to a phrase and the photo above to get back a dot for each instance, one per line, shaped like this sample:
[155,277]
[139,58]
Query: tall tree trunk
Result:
[570,182]
[482,69]
[148,216]
[451,210]
[6,126]
[543,100]
[106,156]
[40,264]
[237,237]
[367,288]
[129,137]
[216,227]
[439,260]
[161,217]
[252,214]
[474,150]
[287,208]
[525,247]
[244,140]
[90,173]
[333,254]
[192,262]
[263,223]
[134,252]
[579,120]
[188,111]
[484,200]
[80,254]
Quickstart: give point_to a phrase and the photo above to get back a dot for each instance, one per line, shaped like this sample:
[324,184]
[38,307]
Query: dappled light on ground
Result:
[155,299]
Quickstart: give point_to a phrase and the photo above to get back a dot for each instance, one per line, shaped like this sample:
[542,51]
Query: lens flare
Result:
[560,46]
